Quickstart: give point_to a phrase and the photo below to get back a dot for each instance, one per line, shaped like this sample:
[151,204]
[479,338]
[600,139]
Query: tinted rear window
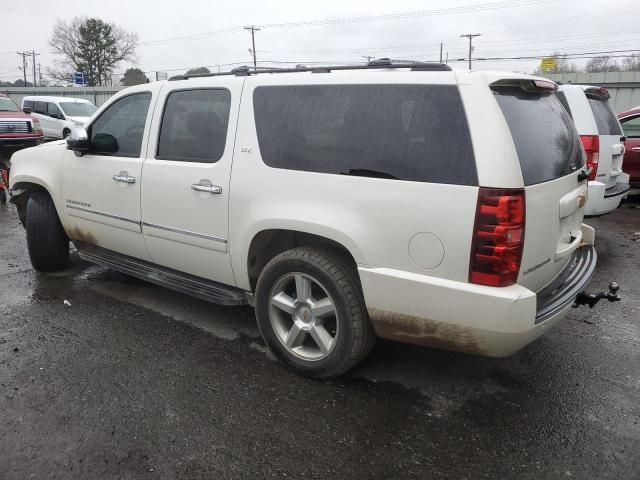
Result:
[605,118]
[403,132]
[546,140]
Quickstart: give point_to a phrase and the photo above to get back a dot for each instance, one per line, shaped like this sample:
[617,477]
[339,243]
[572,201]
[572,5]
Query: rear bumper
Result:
[603,200]
[469,318]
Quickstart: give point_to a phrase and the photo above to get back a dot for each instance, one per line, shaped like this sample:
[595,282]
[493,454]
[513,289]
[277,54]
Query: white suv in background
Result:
[59,115]
[411,202]
[601,136]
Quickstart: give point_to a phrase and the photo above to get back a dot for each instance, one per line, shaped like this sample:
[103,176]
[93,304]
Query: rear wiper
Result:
[365,172]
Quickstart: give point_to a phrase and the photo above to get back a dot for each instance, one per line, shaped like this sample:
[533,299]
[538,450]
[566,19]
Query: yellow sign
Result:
[547,64]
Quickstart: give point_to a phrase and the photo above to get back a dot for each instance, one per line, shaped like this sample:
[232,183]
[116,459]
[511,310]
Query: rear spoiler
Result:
[529,86]
[597,93]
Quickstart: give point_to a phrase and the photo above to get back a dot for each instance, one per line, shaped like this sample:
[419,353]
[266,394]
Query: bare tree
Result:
[632,63]
[91,46]
[602,64]
[197,71]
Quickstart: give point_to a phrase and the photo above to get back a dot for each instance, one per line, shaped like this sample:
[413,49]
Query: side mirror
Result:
[26,110]
[78,140]
[105,143]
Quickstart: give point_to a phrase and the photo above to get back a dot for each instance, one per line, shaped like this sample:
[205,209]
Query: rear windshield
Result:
[605,118]
[400,132]
[546,140]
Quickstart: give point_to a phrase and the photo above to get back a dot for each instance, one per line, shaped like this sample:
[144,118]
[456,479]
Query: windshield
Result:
[77,109]
[7,105]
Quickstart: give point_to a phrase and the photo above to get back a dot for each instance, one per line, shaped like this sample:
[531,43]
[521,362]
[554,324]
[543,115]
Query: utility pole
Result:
[40,74]
[24,65]
[440,52]
[470,37]
[33,53]
[253,29]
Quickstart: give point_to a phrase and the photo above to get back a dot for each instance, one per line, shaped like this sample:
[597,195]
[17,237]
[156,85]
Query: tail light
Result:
[591,144]
[498,237]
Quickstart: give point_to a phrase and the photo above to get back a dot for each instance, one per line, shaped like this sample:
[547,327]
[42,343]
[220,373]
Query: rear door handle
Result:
[124,177]
[208,188]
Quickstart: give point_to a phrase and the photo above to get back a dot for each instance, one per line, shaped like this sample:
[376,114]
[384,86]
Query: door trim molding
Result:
[184,232]
[103,214]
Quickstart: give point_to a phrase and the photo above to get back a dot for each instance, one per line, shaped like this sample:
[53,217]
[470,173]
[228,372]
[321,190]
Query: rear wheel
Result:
[47,242]
[312,314]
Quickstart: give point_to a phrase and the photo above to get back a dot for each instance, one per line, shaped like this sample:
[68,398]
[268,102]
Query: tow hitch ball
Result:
[591,299]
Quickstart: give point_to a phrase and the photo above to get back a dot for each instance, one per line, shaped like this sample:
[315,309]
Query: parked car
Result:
[17,129]
[630,121]
[410,202]
[601,137]
[58,115]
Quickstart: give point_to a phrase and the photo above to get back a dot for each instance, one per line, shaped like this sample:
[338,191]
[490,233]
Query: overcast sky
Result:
[509,29]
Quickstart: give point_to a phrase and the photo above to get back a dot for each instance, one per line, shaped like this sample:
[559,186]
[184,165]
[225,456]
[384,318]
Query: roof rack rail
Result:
[380,63]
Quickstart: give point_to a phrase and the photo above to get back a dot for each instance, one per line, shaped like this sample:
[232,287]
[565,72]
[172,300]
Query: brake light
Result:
[591,144]
[498,237]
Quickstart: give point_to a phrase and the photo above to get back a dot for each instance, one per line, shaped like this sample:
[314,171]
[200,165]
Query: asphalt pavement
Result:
[103,376]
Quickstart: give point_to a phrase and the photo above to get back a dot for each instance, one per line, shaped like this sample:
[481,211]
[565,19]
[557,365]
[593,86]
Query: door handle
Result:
[635,149]
[209,188]
[124,177]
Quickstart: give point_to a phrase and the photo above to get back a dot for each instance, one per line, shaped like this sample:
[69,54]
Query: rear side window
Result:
[545,138]
[605,118]
[563,100]
[52,109]
[27,104]
[402,132]
[194,125]
[40,107]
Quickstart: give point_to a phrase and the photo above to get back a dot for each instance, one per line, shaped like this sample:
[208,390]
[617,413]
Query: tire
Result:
[47,242]
[331,303]
[3,195]
[65,133]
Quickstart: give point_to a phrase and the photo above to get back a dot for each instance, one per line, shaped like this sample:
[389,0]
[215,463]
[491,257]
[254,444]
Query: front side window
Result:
[400,132]
[118,131]
[631,127]
[194,125]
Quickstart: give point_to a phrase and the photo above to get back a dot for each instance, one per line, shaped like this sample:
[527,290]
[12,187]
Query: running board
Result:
[201,288]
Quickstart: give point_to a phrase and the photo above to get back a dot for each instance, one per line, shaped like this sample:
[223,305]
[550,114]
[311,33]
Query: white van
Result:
[601,136]
[58,115]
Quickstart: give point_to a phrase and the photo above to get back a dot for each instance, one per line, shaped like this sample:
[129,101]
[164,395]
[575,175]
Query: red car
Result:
[630,121]
[17,129]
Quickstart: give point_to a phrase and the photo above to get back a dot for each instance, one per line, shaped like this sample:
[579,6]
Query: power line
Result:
[410,14]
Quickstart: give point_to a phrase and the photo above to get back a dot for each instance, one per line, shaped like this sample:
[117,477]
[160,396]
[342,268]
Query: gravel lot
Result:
[129,380]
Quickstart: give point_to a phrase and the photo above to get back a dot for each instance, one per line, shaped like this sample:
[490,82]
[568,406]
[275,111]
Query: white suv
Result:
[602,138]
[410,202]
[59,115]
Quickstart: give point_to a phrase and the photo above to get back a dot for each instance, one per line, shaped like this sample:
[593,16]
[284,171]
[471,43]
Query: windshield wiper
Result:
[365,172]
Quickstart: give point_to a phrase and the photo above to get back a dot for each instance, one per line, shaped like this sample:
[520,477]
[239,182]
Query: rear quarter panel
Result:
[375,219]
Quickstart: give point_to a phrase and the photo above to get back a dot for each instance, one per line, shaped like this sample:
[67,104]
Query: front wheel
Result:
[311,312]
[47,242]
